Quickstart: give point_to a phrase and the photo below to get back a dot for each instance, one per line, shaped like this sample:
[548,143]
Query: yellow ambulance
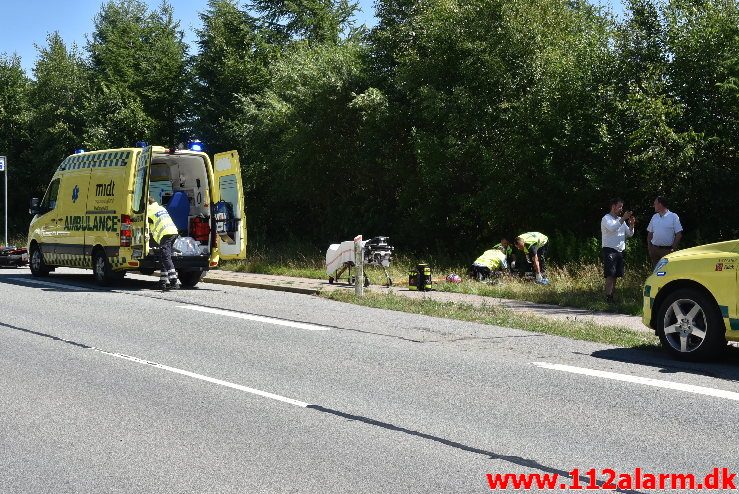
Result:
[93,214]
[691,300]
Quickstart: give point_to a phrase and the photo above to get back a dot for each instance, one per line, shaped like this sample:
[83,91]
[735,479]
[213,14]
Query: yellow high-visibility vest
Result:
[493,259]
[531,239]
[160,222]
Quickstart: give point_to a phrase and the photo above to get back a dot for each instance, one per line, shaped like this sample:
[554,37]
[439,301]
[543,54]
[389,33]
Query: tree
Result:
[233,60]
[317,21]
[703,39]
[138,60]
[15,114]
[302,140]
[58,97]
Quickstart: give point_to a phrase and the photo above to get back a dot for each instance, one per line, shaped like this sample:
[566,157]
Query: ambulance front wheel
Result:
[38,266]
[190,278]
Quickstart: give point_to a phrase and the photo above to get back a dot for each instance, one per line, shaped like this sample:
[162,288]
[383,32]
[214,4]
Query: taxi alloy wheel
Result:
[685,325]
[38,266]
[690,325]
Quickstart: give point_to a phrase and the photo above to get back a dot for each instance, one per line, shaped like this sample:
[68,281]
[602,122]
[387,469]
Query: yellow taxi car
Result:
[691,300]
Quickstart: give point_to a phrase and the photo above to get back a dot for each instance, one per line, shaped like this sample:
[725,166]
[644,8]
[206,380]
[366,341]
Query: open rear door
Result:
[228,188]
[139,203]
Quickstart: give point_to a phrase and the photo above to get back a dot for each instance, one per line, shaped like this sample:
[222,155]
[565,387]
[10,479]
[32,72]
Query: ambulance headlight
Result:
[659,269]
[196,146]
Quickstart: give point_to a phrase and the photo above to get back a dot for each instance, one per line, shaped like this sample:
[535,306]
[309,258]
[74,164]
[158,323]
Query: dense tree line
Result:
[446,125]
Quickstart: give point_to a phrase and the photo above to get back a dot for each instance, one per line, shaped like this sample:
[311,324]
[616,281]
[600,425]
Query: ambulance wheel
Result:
[190,278]
[102,270]
[330,280]
[38,266]
[147,272]
[366,282]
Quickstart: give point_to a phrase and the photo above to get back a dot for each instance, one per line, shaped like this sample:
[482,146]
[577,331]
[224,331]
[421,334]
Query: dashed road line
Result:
[646,381]
[254,317]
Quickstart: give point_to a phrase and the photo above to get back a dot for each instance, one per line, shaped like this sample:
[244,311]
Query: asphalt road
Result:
[134,390]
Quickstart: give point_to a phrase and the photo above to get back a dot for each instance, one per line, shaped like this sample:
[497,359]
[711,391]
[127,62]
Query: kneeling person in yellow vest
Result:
[164,232]
[490,262]
[531,248]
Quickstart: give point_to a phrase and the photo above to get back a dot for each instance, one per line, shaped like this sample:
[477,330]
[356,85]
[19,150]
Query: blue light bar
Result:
[79,151]
[195,146]
[141,144]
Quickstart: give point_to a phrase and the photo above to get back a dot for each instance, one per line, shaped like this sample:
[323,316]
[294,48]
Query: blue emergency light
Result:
[195,146]
[141,144]
[79,151]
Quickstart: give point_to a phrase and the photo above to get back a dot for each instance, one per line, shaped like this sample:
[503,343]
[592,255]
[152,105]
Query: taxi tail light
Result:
[126,229]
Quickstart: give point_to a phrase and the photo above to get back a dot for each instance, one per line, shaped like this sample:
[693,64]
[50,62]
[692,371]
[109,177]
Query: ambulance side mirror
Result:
[34,207]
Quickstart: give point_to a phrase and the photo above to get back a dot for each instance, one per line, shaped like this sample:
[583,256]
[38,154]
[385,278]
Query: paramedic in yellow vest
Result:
[531,248]
[164,232]
[490,262]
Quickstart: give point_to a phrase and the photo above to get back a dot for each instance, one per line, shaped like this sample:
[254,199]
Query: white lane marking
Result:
[253,317]
[690,388]
[220,312]
[53,285]
[254,391]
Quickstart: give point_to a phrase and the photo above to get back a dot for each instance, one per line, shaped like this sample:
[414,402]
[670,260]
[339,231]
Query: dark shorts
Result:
[525,260]
[479,272]
[613,263]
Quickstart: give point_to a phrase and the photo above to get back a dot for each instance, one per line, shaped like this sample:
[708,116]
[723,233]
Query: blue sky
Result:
[26,23]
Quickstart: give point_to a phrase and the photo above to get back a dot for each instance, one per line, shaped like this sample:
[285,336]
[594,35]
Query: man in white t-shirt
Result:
[615,229]
[665,231]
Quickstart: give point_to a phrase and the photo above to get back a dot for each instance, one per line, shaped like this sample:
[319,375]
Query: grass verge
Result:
[500,316]
[575,285]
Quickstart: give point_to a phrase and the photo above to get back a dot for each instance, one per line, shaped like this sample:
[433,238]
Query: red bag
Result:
[200,229]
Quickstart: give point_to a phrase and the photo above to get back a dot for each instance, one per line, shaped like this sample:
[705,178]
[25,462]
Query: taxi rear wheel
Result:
[38,266]
[690,326]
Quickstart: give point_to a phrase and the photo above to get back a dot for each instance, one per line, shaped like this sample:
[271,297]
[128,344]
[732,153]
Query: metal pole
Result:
[6,205]
[5,167]
[359,263]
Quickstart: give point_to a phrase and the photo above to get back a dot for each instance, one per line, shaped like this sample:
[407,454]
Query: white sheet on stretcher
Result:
[338,254]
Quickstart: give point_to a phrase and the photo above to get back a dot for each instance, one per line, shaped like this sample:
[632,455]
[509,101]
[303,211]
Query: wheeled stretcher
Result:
[340,259]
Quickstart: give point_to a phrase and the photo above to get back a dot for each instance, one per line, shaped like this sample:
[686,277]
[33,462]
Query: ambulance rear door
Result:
[228,188]
[139,202]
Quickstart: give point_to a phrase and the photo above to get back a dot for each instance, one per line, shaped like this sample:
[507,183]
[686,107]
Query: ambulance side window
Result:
[52,192]
[139,183]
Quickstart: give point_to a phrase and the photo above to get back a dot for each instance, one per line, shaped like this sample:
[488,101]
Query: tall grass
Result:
[577,283]
[499,316]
